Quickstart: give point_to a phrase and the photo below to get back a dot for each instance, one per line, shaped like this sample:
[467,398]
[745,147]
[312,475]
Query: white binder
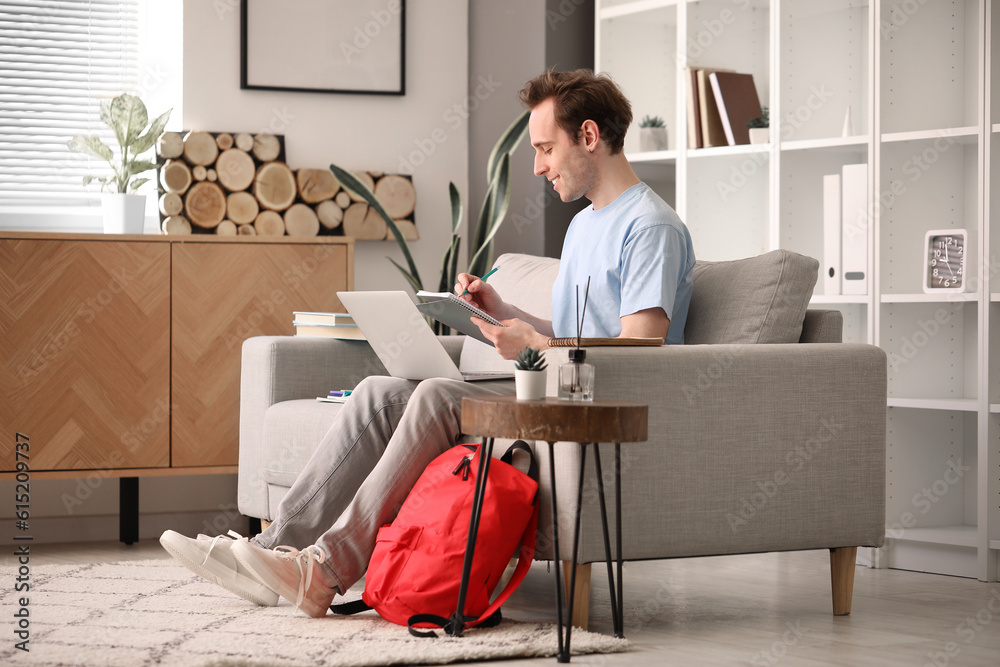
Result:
[854,243]
[831,234]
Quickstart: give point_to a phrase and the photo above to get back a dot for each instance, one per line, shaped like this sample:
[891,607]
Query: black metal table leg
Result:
[128,509]
[620,630]
[607,541]
[555,557]
[564,656]
[478,493]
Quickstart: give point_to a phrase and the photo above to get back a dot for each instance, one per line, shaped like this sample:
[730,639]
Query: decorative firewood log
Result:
[269,223]
[301,220]
[316,185]
[235,169]
[363,222]
[330,215]
[200,148]
[274,186]
[205,204]
[170,145]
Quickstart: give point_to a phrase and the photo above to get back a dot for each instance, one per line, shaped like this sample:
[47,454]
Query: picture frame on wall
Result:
[323,46]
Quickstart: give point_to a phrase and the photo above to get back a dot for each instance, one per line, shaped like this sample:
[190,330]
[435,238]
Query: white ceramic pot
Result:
[760,135]
[529,385]
[123,214]
[652,139]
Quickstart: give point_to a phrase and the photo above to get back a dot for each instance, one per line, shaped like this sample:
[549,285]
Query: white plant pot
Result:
[760,135]
[123,214]
[652,139]
[529,385]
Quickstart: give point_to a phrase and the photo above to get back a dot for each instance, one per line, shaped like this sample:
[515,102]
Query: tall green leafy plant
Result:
[126,115]
[491,215]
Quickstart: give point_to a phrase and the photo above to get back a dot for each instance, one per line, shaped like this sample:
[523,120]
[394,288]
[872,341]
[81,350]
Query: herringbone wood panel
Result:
[85,344]
[223,294]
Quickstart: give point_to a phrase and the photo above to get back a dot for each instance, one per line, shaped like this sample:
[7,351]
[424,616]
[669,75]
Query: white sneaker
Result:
[290,573]
[212,559]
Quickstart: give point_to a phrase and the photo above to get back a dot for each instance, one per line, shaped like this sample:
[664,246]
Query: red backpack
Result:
[414,574]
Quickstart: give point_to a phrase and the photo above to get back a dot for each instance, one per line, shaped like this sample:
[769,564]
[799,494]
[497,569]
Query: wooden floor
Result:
[766,609]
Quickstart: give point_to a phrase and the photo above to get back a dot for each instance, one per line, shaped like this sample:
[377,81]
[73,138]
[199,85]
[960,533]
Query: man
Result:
[639,257]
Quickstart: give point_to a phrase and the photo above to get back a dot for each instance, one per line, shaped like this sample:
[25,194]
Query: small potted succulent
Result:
[529,375]
[652,134]
[759,128]
[124,211]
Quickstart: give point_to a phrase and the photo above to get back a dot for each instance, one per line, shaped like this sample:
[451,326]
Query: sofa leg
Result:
[842,562]
[264,524]
[581,598]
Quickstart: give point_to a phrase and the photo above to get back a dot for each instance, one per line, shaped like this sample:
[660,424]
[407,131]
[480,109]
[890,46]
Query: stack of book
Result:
[326,325]
[719,104]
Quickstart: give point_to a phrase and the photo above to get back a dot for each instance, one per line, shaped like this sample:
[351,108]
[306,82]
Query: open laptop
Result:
[403,341]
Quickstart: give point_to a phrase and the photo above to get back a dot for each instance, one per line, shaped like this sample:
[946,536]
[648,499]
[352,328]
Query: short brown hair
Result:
[581,95]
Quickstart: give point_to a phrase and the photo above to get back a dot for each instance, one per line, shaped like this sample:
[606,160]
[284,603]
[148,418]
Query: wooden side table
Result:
[552,420]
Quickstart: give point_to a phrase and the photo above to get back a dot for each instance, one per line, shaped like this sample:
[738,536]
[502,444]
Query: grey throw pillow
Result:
[760,299]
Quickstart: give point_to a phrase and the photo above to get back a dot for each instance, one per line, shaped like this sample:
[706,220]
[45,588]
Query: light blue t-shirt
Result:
[638,255]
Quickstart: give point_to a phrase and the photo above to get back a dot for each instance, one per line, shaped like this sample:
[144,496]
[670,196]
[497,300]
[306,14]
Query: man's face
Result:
[562,161]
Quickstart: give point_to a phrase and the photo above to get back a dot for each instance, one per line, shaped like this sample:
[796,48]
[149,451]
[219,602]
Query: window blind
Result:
[58,59]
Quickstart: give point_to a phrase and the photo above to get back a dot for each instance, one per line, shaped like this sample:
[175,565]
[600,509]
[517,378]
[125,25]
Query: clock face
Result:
[945,261]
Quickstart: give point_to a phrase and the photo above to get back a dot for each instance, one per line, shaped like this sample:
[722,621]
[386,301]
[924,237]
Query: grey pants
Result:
[356,481]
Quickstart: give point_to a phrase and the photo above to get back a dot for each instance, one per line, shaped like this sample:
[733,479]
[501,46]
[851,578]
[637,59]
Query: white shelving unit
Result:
[922,80]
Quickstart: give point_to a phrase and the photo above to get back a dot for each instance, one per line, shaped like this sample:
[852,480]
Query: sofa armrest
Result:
[751,447]
[284,368]
[822,326]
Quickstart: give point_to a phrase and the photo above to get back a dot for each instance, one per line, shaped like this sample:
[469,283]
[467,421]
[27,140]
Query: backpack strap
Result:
[526,554]
[350,608]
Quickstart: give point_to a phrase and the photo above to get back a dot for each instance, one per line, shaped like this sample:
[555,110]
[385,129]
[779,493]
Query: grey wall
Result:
[512,42]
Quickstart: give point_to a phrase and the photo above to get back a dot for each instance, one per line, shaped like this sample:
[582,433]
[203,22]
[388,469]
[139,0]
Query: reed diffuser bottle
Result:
[576,377]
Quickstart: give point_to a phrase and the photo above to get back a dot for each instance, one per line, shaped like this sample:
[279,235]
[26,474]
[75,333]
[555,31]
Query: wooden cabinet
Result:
[122,353]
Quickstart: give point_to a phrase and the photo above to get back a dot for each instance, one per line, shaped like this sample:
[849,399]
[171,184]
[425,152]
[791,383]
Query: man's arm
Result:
[648,323]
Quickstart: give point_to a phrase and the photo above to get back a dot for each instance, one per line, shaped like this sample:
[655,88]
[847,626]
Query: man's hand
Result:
[483,296]
[511,338]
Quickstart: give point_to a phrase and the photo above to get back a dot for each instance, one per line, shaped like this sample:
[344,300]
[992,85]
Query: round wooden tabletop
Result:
[552,419]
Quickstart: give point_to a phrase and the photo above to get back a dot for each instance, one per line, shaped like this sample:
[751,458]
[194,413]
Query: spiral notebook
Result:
[454,312]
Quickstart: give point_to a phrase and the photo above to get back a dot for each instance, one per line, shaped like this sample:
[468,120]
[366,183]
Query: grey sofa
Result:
[767,433]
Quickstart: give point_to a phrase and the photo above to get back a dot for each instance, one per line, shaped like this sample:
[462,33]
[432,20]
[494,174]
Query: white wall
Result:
[422,132]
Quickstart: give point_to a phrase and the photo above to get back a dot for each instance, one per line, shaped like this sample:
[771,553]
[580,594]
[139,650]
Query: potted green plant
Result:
[491,215]
[652,134]
[124,211]
[529,375]
[760,132]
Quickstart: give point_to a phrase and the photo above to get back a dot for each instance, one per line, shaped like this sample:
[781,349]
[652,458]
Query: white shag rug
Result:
[154,612]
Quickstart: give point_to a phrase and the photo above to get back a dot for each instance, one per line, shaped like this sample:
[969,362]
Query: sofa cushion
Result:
[760,299]
[292,432]
[524,281]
